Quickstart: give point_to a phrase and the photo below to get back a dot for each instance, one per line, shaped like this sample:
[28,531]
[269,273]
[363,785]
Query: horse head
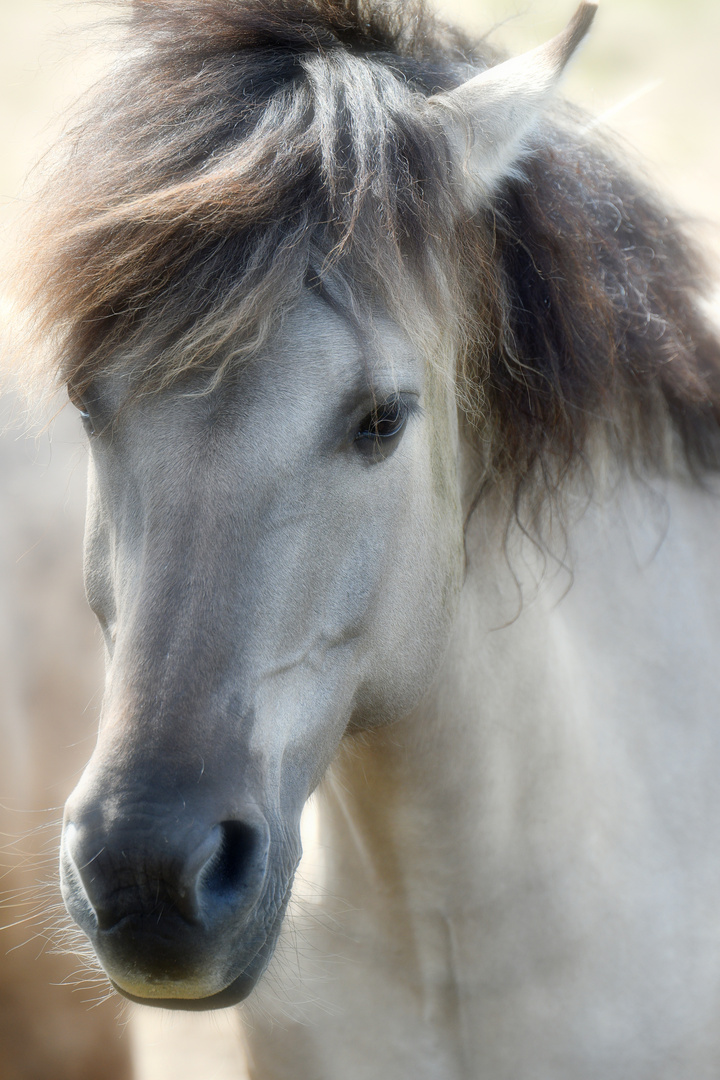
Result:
[271,562]
[274,549]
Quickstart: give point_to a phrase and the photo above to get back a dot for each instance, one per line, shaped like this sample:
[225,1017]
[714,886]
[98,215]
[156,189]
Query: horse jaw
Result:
[488,117]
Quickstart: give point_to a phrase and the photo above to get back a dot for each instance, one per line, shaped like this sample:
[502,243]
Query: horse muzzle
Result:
[179,916]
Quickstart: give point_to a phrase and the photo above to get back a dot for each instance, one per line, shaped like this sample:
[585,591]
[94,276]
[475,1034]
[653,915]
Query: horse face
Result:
[272,563]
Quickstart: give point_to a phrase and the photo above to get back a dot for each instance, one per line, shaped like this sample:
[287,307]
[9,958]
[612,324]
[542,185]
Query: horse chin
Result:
[233,994]
[190,994]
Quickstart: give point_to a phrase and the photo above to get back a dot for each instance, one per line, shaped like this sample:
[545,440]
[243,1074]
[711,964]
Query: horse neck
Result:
[532,847]
[551,736]
[477,786]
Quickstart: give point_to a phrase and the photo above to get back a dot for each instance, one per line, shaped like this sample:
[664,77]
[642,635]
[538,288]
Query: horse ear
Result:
[488,117]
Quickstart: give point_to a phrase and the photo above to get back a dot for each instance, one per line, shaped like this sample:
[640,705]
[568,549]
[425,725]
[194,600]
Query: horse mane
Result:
[238,151]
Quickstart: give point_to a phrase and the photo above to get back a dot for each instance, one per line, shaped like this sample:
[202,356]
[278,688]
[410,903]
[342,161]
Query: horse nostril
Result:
[161,876]
[229,869]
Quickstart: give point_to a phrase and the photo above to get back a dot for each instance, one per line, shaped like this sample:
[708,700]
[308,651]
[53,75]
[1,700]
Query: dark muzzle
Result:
[174,907]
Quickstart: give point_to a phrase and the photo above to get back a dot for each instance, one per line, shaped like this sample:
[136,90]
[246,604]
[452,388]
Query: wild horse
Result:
[403,417]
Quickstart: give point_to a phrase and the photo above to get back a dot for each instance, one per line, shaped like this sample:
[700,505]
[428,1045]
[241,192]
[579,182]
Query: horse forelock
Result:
[239,151]
[235,149]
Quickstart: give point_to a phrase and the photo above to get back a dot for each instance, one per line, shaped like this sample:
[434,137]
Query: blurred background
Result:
[650,70]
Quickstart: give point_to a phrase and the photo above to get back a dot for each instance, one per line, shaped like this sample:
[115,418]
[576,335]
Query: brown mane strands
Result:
[238,149]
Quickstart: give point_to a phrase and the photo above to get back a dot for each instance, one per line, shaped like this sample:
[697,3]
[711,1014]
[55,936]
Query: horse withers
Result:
[371,344]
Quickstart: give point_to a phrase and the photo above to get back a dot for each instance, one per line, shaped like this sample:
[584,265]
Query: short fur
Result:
[240,150]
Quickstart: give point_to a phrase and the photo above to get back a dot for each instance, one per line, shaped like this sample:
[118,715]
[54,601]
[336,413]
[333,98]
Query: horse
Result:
[403,408]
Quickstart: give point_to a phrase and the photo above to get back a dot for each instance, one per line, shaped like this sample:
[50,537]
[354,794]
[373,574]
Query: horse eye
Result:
[87,422]
[381,430]
[85,417]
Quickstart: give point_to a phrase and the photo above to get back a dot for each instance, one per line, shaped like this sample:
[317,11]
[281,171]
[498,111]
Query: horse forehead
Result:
[316,365]
[270,416]
[319,347]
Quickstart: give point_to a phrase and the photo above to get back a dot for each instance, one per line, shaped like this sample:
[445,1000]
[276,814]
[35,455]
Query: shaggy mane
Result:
[240,150]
